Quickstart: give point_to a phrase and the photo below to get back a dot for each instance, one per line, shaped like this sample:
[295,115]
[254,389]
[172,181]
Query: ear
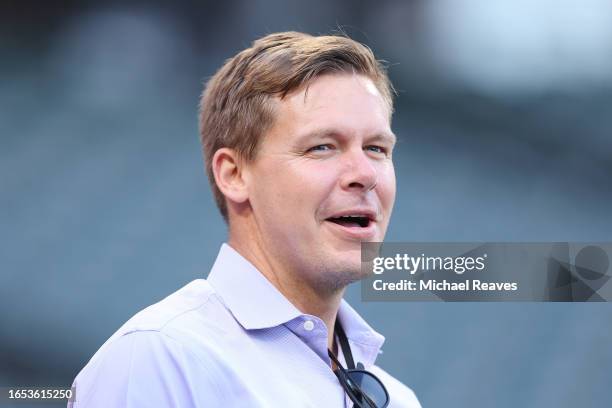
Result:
[227,169]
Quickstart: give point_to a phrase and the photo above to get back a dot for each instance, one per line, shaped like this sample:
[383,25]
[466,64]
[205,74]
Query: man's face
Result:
[323,179]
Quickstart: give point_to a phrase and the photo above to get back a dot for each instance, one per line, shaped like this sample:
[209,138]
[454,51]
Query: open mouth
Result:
[355,221]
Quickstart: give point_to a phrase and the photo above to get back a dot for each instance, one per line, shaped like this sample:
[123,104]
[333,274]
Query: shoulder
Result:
[401,396]
[147,367]
[153,358]
[189,310]
[191,299]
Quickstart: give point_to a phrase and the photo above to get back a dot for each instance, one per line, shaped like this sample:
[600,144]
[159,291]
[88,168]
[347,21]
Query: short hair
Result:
[236,107]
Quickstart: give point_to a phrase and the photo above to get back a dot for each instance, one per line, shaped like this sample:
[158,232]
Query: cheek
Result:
[313,182]
[386,184]
[292,190]
[319,181]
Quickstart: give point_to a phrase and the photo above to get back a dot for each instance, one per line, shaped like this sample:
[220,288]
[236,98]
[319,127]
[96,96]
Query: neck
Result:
[307,298]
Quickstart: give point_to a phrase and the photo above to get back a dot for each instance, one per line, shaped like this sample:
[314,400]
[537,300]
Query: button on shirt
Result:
[232,340]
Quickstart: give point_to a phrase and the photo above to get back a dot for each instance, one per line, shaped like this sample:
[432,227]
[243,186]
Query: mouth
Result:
[357,225]
[351,221]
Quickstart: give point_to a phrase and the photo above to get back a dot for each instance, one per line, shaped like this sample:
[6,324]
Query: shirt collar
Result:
[361,336]
[248,295]
[239,283]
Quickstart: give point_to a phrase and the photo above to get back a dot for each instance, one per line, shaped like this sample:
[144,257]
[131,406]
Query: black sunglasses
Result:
[362,387]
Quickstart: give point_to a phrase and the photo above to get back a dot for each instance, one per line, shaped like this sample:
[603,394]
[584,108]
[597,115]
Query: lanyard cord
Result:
[344,344]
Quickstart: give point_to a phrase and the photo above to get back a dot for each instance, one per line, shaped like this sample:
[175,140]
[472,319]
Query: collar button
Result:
[309,325]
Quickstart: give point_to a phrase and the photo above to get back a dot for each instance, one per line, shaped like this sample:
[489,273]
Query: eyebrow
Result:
[333,133]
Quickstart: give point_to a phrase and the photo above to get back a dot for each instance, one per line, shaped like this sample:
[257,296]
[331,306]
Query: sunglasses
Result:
[362,387]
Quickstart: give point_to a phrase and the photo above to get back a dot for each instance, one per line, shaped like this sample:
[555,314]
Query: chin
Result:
[336,274]
[335,266]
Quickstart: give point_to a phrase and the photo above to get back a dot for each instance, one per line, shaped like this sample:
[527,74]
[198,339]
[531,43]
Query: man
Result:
[297,144]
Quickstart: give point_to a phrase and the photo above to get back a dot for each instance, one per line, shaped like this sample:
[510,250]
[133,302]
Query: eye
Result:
[321,148]
[377,149]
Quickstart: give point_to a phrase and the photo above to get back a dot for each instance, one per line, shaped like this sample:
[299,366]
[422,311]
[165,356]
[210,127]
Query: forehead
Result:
[347,103]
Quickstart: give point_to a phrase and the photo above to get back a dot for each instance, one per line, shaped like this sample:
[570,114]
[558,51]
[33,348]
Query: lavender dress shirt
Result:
[232,340]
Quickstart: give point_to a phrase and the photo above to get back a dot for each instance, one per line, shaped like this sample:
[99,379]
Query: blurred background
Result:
[504,116]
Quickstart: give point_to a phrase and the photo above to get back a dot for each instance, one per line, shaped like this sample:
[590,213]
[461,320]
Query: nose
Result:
[360,174]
